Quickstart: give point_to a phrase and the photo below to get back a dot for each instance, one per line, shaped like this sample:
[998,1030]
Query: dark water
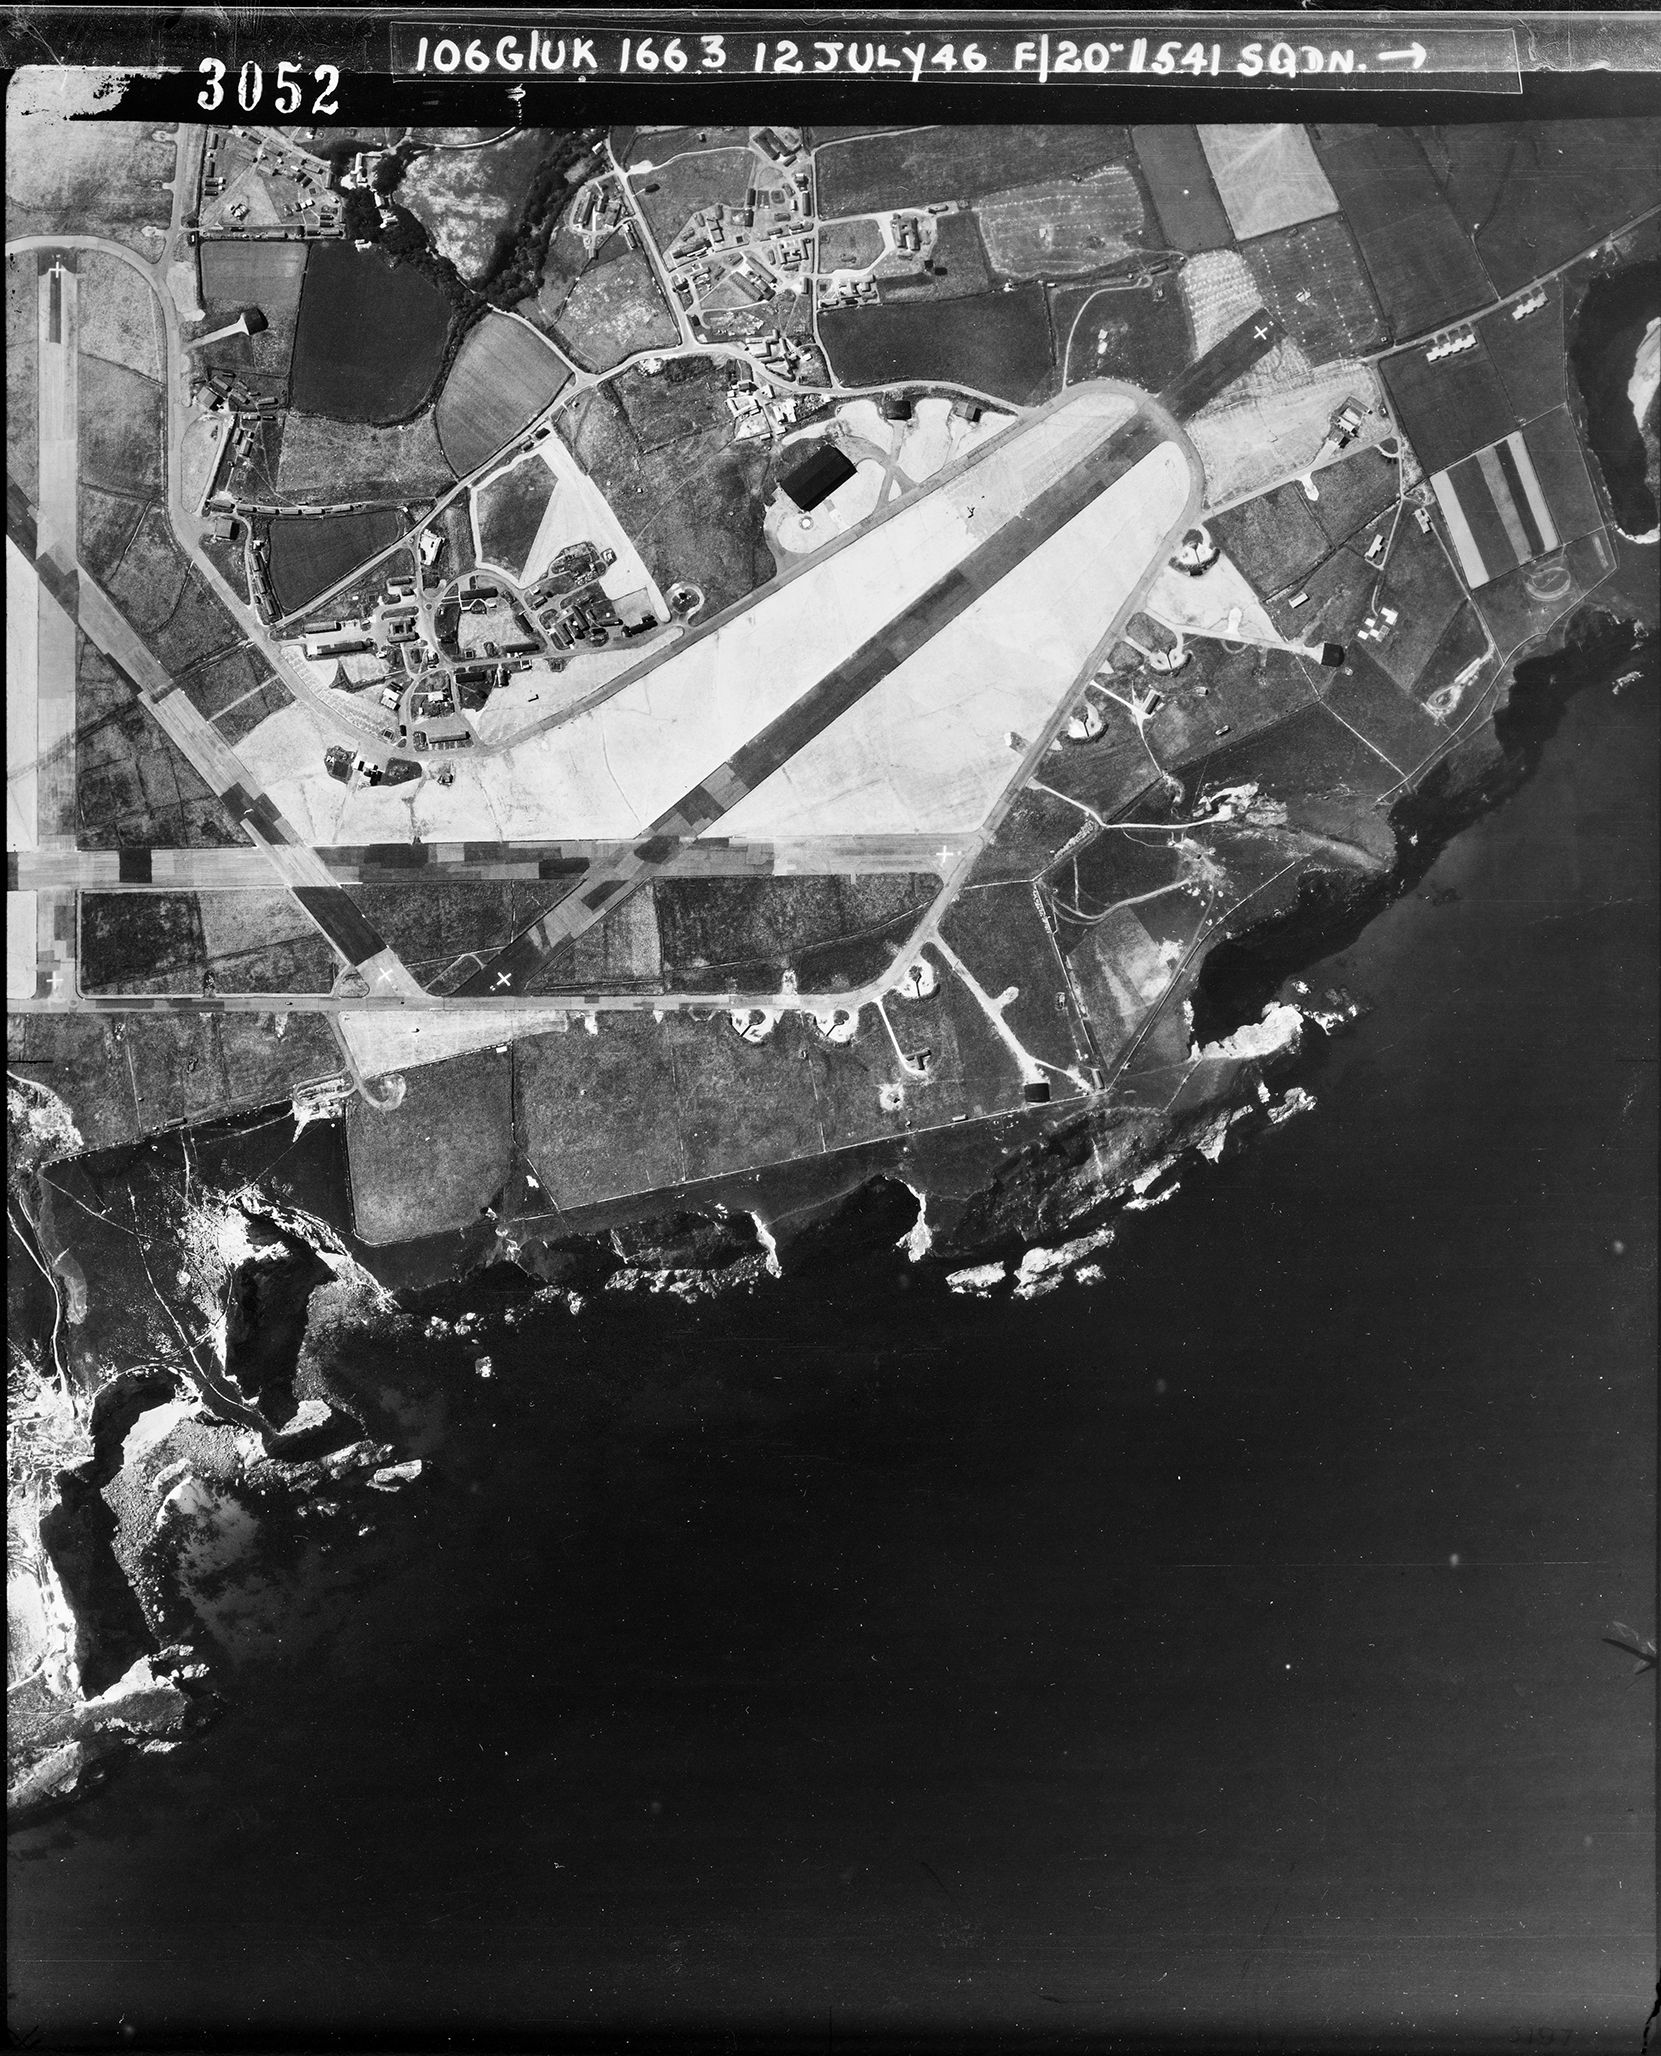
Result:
[1214,1650]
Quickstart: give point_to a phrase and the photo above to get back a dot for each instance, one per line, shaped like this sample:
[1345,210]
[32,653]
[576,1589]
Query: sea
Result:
[1214,1652]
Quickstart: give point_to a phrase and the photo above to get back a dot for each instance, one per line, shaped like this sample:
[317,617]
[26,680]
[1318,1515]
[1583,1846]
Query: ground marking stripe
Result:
[1493,476]
[1531,487]
[1470,557]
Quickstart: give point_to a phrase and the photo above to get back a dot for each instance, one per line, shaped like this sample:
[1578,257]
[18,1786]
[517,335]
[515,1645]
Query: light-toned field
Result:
[330,461]
[1248,444]
[1267,175]
[1062,228]
[1220,603]
[467,198]
[120,318]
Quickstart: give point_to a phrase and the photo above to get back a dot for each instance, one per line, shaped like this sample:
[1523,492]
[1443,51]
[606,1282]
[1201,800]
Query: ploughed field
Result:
[309,553]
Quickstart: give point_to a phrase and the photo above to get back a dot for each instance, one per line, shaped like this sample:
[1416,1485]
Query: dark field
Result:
[1449,408]
[697,512]
[452,523]
[310,554]
[997,343]
[456,1123]
[504,376]
[371,336]
[1372,703]
[198,627]
[959,267]
[162,942]
[1422,266]
[714,924]
[1275,539]
[1146,337]
[1463,640]
[430,925]
[1541,192]
[510,511]
[912,168]
[119,428]
[131,936]
[1341,318]
[1180,185]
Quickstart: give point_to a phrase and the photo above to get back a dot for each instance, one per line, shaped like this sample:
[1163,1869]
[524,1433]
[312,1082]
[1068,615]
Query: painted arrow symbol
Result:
[1416,53]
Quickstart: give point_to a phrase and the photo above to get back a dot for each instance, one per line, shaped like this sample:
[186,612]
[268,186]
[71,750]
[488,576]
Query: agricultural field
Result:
[432,926]
[1419,583]
[242,719]
[717,925]
[453,524]
[253,474]
[132,787]
[455,1121]
[172,942]
[106,523]
[849,245]
[1362,487]
[1423,268]
[119,318]
[311,553]
[957,267]
[98,178]
[469,200]
[198,627]
[329,461]
[222,680]
[120,429]
[269,276]
[996,343]
[1561,468]
[1064,227]
[371,336]
[677,187]
[1378,709]
[687,397]
[1338,589]
[1538,193]
[613,309]
[1147,335]
[1314,283]
[149,581]
[503,377]
[1275,540]
[693,508]
[509,512]
[1531,355]
[1463,640]
[1266,174]
[141,942]
[1190,215]
[23,372]
[1450,408]
[912,167]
